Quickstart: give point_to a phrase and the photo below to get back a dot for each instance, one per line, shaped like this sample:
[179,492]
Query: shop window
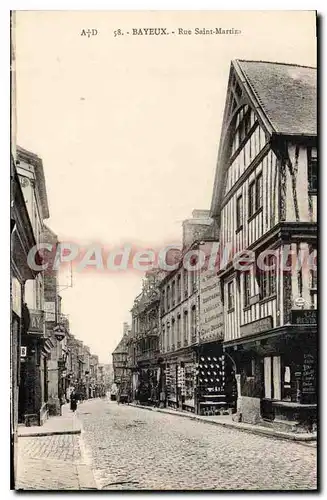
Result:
[272,377]
[312,169]
[249,368]
[286,384]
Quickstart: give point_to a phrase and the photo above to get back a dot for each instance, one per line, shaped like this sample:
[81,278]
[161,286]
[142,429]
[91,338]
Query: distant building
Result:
[143,343]
[122,372]
[198,378]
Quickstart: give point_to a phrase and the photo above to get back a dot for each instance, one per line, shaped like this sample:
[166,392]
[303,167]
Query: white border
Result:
[5,157]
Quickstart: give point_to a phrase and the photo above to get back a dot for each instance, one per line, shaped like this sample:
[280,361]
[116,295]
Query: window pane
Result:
[259,192]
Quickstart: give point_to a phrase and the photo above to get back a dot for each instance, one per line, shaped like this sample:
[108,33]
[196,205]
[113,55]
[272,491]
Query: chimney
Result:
[197,228]
[125,328]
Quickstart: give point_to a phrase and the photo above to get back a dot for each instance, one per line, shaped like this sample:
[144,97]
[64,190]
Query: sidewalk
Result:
[53,457]
[67,423]
[227,421]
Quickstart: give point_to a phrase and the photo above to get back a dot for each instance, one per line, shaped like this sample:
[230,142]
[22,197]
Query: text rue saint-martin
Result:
[179,31]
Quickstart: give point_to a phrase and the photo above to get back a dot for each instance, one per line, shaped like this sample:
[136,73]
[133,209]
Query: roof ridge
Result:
[276,62]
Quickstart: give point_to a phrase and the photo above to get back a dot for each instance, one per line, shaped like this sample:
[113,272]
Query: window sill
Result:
[239,229]
[313,192]
[232,309]
[254,215]
[247,307]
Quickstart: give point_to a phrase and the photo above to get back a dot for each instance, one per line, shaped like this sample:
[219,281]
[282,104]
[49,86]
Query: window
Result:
[247,288]
[258,193]
[255,195]
[173,293]
[186,283]
[173,340]
[193,323]
[178,330]
[267,280]
[168,298]
[244,127]
[239,212]
[313,279]
[178,288]
[230,295]
[163,301]
[249,368]
[312,169]
[185,327]
[251,198]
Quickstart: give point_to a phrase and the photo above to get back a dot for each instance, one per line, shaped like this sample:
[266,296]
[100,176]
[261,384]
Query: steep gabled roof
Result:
[283,97]
[287,93]
[122,346]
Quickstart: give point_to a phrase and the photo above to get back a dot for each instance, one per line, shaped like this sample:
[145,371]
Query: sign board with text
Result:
[304,317]
[261,325]
[50,311]
[211,309]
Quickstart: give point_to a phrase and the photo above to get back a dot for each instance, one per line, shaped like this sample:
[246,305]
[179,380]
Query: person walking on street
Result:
[73,401]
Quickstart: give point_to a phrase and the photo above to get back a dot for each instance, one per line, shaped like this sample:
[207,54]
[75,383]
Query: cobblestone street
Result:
[133,448]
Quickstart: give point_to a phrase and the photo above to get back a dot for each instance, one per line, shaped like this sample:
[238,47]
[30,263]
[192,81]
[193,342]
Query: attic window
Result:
[238,91]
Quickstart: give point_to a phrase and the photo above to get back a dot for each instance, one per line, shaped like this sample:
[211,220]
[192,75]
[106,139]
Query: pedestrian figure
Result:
[73,401]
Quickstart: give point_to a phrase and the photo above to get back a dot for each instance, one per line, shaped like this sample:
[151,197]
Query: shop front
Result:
[215,381]
[180,380]
[277,372]
[148,384]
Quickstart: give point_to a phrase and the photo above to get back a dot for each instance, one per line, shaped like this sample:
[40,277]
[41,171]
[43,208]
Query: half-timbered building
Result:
[265,207]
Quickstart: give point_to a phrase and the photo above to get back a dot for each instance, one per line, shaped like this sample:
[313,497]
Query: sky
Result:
[128,129]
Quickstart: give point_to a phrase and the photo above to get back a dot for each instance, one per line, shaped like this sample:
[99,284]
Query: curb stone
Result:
[50,433]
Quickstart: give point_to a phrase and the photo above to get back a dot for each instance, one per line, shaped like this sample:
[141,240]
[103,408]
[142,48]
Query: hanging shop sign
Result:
[304,317]
[300,302]
[211,309]
[23,351]
[261,325]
